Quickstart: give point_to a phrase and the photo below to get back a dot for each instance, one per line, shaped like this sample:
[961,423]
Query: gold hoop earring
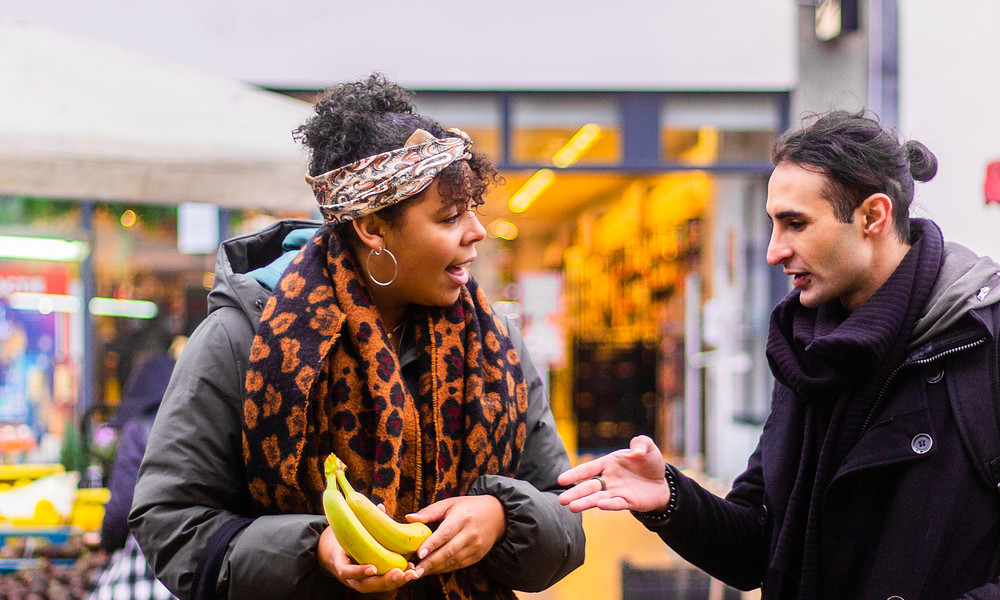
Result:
[368,266]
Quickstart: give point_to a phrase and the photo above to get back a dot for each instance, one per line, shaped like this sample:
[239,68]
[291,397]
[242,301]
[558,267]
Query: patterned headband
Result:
[365,186]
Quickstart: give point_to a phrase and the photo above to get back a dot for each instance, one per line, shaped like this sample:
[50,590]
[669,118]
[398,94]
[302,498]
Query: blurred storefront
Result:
[642,91]
[626,237]
[119,174]
[145,289]
[633,253]
[623,220]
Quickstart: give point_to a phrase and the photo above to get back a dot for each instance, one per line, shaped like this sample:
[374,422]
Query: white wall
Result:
[832,74]
[950,101]
[451,44]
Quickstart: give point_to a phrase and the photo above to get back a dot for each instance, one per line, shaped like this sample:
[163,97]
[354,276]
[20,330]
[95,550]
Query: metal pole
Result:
[692,368]
[505,126]
[87,379]
[225,216]
[883,60]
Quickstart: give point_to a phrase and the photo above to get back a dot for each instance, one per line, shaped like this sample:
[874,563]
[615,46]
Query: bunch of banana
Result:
[367,534]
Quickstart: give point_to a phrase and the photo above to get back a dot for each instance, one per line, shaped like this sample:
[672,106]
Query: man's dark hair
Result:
[859,158]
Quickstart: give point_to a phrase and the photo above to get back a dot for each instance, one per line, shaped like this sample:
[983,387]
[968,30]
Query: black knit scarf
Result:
[836,362]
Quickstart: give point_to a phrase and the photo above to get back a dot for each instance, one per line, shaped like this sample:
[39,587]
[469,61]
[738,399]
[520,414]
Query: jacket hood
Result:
[238,256]
[965,282]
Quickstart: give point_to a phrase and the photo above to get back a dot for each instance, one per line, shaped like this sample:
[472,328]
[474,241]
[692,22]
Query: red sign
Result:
[21,276]
[991,186]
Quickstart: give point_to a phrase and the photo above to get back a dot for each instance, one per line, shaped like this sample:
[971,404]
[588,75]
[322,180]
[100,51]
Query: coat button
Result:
[762,517]
[936,376]
[894,598]
[921,443]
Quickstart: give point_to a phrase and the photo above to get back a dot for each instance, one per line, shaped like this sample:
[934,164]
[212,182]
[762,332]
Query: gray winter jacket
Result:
[192,491]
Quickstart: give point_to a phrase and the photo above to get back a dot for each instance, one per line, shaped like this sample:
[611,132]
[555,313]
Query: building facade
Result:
[630,235]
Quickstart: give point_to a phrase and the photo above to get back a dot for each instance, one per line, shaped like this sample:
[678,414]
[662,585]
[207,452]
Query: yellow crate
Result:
[88,508]
[88,503]
[15,473]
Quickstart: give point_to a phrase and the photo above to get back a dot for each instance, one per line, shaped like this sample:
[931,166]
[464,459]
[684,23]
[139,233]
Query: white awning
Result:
[80,119]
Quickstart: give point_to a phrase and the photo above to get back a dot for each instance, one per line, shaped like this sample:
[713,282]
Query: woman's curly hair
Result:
[364,118]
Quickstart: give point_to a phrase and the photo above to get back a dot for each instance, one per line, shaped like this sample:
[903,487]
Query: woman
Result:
[374,343]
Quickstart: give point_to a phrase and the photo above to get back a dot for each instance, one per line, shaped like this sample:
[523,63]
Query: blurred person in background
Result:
[133,419]
[366,338]
[127,574]
[876,472]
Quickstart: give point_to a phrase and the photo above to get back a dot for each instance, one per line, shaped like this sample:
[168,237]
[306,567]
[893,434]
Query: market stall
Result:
[84,124]
[86,120]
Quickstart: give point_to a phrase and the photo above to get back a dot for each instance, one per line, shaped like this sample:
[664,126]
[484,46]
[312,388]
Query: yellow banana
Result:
[403,538]
[351,534]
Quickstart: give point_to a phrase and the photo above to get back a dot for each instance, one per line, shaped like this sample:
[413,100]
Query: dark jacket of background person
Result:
[192,484]
[914,511]
[134,419]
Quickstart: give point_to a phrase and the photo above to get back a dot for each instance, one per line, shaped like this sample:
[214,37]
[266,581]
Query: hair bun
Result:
[923,163]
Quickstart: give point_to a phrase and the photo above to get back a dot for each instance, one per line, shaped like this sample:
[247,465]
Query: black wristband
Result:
[660,517]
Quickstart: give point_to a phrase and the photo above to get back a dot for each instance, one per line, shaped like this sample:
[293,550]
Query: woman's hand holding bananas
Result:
[361,531]
[367,550]
[469,527]
[335,560]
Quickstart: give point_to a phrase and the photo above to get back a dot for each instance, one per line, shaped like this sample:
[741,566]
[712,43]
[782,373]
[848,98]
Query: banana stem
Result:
[333,466]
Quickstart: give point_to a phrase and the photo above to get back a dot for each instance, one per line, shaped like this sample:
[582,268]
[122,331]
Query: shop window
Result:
[565,129]
[34,216]
[614,394]
[476,114]
[39,354]
[706,130]
[625,275]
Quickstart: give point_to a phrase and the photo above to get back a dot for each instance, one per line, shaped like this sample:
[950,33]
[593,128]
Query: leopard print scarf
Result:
[323,379]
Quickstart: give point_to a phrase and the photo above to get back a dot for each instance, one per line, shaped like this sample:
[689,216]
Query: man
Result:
[876,473]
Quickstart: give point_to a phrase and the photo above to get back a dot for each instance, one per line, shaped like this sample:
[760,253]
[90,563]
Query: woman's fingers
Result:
[470,526]
[362,578]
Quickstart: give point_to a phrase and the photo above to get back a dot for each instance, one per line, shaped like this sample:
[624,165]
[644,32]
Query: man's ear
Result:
[876,212]
[369,231]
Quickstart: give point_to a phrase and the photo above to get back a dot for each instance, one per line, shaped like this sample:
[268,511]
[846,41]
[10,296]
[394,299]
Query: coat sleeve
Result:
[132,443]
[725,537]
[544,540]
[990,591]
[192,484]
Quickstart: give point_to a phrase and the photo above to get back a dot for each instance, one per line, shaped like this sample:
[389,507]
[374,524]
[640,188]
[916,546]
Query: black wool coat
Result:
[914,511]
